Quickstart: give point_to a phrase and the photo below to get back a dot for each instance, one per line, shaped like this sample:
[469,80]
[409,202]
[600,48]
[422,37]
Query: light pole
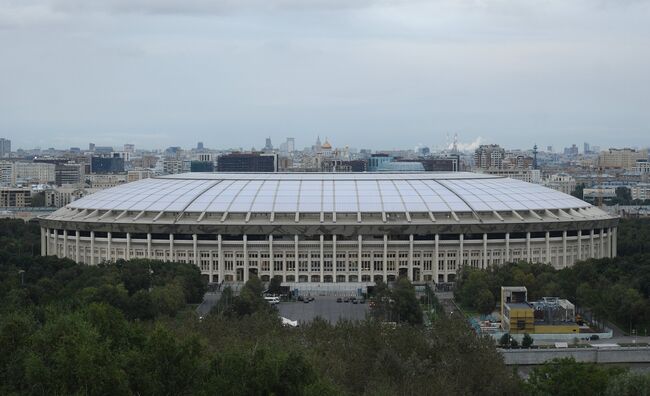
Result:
[22,277]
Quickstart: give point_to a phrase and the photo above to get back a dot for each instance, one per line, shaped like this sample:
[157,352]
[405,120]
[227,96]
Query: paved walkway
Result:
[325,307]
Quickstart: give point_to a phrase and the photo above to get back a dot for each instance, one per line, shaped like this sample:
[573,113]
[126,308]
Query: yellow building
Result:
[550,315]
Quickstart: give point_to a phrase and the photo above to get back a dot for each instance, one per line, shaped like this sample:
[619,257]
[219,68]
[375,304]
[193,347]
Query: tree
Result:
[504,341]
[406,306]
[484,302]
[275,286]
[528,341]
[629,384]
[566,377]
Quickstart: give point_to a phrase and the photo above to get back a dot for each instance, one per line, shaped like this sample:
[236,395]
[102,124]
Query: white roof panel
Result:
[328,192]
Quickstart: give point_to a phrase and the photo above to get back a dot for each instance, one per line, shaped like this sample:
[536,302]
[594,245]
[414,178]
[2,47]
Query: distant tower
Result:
[268,146]
[535,157]
[454,148]
[199,146]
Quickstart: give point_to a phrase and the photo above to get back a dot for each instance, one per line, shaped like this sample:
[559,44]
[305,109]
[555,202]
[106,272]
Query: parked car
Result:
[346,299]
[300,298]
[338,300]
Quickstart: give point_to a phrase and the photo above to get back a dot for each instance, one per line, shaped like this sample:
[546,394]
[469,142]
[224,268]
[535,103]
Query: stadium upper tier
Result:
[361,193]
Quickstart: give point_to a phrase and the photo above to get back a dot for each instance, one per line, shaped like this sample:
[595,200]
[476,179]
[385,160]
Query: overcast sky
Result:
[365,73]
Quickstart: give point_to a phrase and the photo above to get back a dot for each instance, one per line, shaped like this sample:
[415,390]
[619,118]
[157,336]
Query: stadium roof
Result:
[328,192]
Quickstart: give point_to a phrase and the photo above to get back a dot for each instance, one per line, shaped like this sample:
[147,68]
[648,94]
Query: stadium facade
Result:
[330,227]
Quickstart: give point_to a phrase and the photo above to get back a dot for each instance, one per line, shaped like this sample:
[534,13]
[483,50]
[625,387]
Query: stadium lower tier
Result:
[331,258]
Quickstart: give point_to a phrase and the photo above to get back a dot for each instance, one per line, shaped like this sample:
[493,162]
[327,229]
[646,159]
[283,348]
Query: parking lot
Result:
[324,306]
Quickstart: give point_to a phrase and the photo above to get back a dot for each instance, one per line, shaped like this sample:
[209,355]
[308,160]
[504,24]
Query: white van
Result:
[272,300]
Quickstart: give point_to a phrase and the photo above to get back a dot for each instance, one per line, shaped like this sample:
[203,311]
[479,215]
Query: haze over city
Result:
[375,74]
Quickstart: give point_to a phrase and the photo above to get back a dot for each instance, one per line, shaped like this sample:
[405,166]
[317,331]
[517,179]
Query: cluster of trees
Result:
[633,237]
[397,304]
[615,289]
[248,302]
[566,377]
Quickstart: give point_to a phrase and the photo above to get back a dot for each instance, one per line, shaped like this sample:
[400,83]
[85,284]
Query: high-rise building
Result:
[291,145]
[30,172]
[129,148]
[625,158]
[489,156]
[199,146]
[15,197]
[586,148]
[91,146]
[7,176]
[5,147]
[571,151]
[248,162]
[104,165]
[69,173]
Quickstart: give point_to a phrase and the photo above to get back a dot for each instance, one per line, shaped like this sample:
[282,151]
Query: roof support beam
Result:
[108,213]
[517,215]
[138,215]
[535,215]
[497,215]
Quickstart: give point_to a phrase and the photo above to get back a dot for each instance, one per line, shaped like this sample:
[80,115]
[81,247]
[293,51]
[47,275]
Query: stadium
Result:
[330,227]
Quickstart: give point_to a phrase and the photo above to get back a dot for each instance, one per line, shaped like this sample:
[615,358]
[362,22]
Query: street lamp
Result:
[22,277]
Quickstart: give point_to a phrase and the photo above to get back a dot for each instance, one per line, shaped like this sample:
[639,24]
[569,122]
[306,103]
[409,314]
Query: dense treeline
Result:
[130,328]
[633,236]
[566,377]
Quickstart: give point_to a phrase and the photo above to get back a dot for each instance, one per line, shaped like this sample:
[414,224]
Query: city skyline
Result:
[374,74]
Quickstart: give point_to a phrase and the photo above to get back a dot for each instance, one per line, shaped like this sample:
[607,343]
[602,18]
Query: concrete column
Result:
[359,251]
[322,259]
[246,263]
[210,267]
[127,253]
[272,263]
[614,241]
[334,260]
[195,249]
[460,253]
[579,244]
[109,256]
[56,243]
[592,247]
[435,259]
[65,243]
[385,258]
[149,246]
[171,248]
[528,251]
[484,262]
[507,247]
[77,236]
[222,270]
[548,247]
[44,241]
[564,257]
[602,243]
[609,242]
[410,263]
[92,247]
[295,257]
